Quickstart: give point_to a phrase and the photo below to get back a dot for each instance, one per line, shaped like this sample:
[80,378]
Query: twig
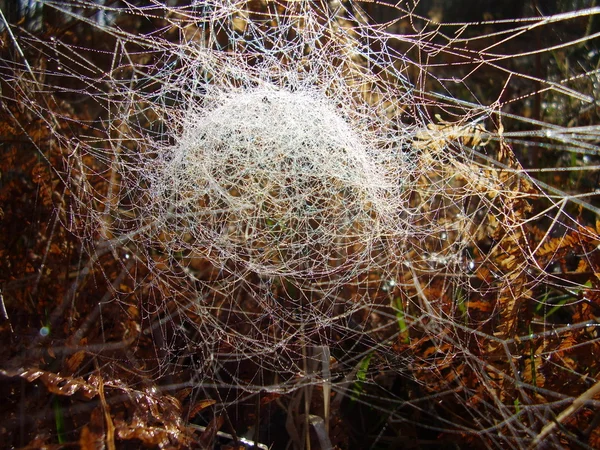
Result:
[577,403]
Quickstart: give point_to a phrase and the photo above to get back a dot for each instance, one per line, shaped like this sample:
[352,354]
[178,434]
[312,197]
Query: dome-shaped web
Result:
[275,181]
[308,215]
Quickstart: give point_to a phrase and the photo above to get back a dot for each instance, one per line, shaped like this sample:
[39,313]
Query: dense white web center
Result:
[275,180]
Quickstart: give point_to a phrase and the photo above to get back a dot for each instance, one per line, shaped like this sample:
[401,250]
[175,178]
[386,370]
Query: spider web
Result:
[347,214]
